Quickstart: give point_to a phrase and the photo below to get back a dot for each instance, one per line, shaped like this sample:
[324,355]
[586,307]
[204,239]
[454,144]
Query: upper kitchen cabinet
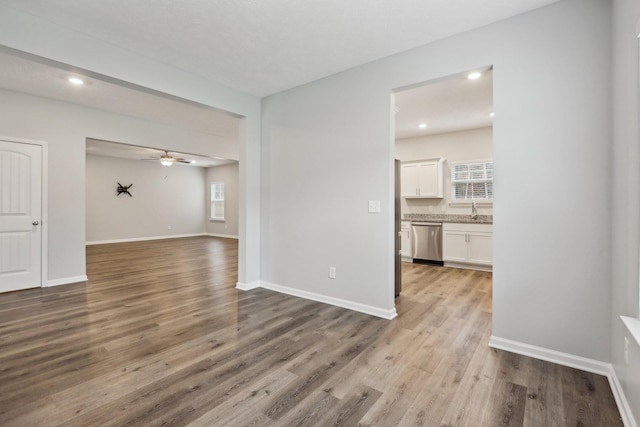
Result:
[423,178]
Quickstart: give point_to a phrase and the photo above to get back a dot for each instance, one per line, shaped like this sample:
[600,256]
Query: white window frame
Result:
[468,201]
[217,201]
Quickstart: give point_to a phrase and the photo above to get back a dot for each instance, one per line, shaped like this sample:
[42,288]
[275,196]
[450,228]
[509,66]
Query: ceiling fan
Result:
[167,159]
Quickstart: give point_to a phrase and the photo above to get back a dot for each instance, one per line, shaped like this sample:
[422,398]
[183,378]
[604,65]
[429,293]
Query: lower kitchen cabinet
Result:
[405,235]
[468,245]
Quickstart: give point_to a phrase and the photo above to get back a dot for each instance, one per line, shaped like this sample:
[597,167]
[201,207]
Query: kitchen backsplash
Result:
[440,206]
[480,219]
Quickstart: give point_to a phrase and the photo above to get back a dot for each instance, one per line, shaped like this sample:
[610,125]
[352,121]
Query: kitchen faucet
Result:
[474,210]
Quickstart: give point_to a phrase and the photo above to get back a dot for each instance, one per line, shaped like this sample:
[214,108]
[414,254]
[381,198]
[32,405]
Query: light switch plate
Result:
[374,206]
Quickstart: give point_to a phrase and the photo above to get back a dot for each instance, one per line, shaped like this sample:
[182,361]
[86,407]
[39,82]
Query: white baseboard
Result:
[248,286]
[142,239]
[362,308]
[65,281]
[572,361]
[224,236]
[621,400]
[464,266]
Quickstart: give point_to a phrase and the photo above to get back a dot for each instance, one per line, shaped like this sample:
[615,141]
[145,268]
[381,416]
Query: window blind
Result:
[472,181]
[217,200]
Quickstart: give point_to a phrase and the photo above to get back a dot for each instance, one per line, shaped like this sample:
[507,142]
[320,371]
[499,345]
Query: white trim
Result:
[362,308]
[142,239]
[224,236]
[633,325]
[44,202]
[45,212]
[465,266]
[621,400]
[572,361]
[554,356]
[66,281]
[248,286]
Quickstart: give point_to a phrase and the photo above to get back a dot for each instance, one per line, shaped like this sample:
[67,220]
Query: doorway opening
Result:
[443,140]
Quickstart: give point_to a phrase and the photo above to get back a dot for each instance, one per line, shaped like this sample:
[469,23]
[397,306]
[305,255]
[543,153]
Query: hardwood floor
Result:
[160,336]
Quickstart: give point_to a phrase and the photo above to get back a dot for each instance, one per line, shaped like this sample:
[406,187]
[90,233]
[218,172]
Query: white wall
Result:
[461,146]
[229,175]
[327,150]
[35,36]
[162,197]
[65,127]
[626,194]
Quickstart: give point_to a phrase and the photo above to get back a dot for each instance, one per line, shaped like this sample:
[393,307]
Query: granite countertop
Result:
[460,219]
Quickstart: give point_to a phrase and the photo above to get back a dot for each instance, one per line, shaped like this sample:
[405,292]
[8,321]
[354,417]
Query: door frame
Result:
[44,214]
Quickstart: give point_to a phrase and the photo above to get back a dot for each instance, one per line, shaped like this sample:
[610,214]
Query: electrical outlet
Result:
[626,350]
[332,272]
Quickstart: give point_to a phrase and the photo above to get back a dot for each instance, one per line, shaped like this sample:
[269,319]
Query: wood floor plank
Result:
[508,405]
[160,336]
[352,408]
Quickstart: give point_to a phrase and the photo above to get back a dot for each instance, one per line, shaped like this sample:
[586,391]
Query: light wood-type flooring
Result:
[160,336]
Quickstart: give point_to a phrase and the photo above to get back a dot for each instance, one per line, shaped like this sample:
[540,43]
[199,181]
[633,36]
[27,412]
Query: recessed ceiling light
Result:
[473,76]
[422,125]
[491,114]
[75,81]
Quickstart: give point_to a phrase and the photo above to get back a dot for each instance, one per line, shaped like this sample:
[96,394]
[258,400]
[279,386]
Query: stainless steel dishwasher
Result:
[427,242]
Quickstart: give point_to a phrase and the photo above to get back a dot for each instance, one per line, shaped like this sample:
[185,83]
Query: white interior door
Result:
[20,216]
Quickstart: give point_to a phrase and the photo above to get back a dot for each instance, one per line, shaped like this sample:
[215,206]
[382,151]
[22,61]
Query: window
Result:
[472,181]
[217,201]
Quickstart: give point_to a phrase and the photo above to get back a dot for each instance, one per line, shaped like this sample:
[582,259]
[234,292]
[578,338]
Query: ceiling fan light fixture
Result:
[75,81]
[166,161]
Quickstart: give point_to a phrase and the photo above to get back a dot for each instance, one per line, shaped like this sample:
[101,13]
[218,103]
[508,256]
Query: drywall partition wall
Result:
[461,146]
[328,151]
[66,126]
[35,36]
[228,174]
[164,201]
[626,194]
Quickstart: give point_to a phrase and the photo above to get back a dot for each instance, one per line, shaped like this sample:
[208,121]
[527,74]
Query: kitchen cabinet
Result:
[405,238]
[468,244]
[422,179]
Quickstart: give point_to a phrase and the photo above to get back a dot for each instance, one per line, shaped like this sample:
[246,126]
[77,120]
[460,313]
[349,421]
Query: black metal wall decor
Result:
[124,189]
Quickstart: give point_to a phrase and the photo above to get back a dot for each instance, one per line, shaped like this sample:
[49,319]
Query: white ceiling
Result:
[97,147]
[259,47]
[448,105]
[266,46]
[22,74]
